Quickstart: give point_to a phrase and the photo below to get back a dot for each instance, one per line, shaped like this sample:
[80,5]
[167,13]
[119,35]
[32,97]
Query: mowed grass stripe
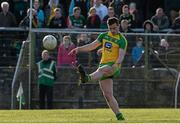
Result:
[89,115]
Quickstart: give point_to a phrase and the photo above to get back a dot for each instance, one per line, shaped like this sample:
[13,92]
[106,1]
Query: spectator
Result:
[106,2]
[93,20]
[160,20]
[83,58]
[83,4]
[25,22]
[126,15]
[65,5]
[7,18]
[43,4]
[163,47]
[171,4]
[148,26]
[7,52]
[63,59]
[49,10]
[58,20]
[176,23]
[161,52]
[76,20]
[124,27]
[137,51]
[39,14]
[101,10]
[117,5]
[152,42]
[95,55]
[20,9]
[111,13]
[46,78]
[137,15]
[173,15]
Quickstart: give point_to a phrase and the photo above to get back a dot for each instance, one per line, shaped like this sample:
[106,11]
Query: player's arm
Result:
[89,47]
[122,52]
[86,48]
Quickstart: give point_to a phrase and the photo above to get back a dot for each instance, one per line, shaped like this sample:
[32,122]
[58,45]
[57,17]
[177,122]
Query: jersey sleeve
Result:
[123,43]
[100,38]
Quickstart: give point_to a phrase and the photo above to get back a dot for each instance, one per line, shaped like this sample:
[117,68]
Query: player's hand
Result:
[99,52]
[73,51]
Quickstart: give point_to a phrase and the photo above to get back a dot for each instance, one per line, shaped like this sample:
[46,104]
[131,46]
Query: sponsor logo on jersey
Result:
[108,45]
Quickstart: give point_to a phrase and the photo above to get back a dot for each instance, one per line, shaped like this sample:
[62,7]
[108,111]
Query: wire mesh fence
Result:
[145,53]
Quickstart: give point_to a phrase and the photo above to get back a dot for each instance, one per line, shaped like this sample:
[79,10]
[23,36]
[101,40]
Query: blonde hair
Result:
[110,8]
[44,51]
[57,9]
[91,9]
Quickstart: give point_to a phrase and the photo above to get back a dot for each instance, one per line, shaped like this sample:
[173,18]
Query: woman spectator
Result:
[93,20]
[126,15]
[148,26]
[63,59]
[152,42]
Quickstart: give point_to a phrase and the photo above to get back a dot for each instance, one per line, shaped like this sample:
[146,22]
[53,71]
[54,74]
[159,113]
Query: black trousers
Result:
[45,93]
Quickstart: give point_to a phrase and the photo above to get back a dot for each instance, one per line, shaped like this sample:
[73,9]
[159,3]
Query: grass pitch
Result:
[90,116]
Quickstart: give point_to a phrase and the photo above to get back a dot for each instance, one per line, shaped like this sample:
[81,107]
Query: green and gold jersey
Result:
[79,22]
[111,45]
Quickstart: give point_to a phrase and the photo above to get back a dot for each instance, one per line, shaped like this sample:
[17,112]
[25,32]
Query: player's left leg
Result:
[107,90]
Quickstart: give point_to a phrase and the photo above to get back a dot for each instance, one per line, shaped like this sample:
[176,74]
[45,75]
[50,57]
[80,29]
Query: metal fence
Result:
[153,59]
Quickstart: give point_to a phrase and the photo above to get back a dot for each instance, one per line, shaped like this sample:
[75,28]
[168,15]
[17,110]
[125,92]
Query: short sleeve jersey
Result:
[111,45]
[79,22]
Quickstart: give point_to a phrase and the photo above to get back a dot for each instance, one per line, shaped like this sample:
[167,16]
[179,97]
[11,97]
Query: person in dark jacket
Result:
[93,20]
[160,20]
[25,22]
[58,20]
[7,18]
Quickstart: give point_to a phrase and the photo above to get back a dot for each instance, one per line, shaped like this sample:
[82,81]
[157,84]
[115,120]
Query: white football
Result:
[49,42]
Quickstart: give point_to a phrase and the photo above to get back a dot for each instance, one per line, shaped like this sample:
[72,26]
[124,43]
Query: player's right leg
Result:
[107,90]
